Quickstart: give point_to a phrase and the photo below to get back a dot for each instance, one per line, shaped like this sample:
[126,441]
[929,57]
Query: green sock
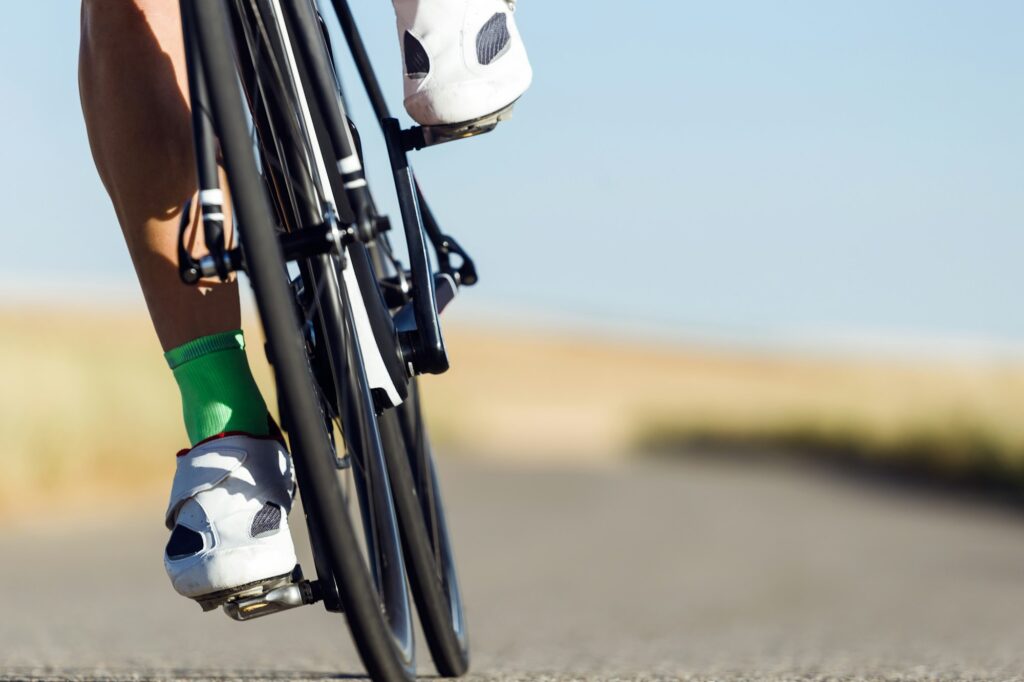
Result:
[218,393]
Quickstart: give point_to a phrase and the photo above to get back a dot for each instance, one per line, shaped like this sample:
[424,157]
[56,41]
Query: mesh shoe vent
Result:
[417,63]
[183,542]
[266,521]
[493,39]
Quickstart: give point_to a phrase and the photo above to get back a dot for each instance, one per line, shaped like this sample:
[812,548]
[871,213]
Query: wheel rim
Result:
[424,472]
[352,405]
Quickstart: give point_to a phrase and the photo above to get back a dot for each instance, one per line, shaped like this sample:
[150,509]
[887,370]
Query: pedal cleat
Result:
[211,601]
[274,596]
[419,137]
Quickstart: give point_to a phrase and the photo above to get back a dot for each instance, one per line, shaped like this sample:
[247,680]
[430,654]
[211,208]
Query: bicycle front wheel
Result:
[383,637]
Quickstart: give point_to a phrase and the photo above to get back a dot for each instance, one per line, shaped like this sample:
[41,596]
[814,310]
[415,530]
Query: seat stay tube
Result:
[361,59]
[307,35]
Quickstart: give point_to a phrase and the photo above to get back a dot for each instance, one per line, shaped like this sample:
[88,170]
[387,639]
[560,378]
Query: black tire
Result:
[311,445]
[428,550]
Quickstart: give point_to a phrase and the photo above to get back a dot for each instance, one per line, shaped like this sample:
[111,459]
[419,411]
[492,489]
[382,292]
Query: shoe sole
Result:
[437,134]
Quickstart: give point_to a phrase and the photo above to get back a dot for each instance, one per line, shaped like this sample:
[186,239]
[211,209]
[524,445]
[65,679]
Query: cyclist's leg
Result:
[134,97]
[135,101]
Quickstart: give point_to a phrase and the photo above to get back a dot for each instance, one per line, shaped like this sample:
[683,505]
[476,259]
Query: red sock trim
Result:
[275,434]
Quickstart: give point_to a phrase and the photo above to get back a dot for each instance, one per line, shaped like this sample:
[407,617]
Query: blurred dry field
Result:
[88,409]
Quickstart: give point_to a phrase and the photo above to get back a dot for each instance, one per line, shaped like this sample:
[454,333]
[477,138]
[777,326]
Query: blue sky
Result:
[744,169]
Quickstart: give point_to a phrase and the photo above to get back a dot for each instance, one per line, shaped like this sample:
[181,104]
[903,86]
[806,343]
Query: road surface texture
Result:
[694,569]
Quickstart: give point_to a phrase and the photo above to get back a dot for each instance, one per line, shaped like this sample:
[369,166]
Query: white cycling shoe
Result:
[229,519]
[464,60]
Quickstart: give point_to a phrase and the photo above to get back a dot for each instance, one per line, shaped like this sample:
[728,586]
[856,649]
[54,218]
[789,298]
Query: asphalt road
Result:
[693,570]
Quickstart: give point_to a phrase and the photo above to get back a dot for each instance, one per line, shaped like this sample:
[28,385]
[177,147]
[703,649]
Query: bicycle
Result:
[348,326]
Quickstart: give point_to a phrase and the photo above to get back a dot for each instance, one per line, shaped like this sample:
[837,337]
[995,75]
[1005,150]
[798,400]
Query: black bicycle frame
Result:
[420,333]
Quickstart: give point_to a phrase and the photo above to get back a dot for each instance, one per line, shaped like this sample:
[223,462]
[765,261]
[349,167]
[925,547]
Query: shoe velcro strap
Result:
[198,472]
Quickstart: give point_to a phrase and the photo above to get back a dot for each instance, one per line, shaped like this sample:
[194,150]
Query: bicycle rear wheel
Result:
[428,548]
[414,487]
[379,623]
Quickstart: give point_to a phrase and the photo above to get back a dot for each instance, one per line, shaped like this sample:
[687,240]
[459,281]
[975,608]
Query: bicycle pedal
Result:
[271,596]
[419,137]
[211,601]
[279,599]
